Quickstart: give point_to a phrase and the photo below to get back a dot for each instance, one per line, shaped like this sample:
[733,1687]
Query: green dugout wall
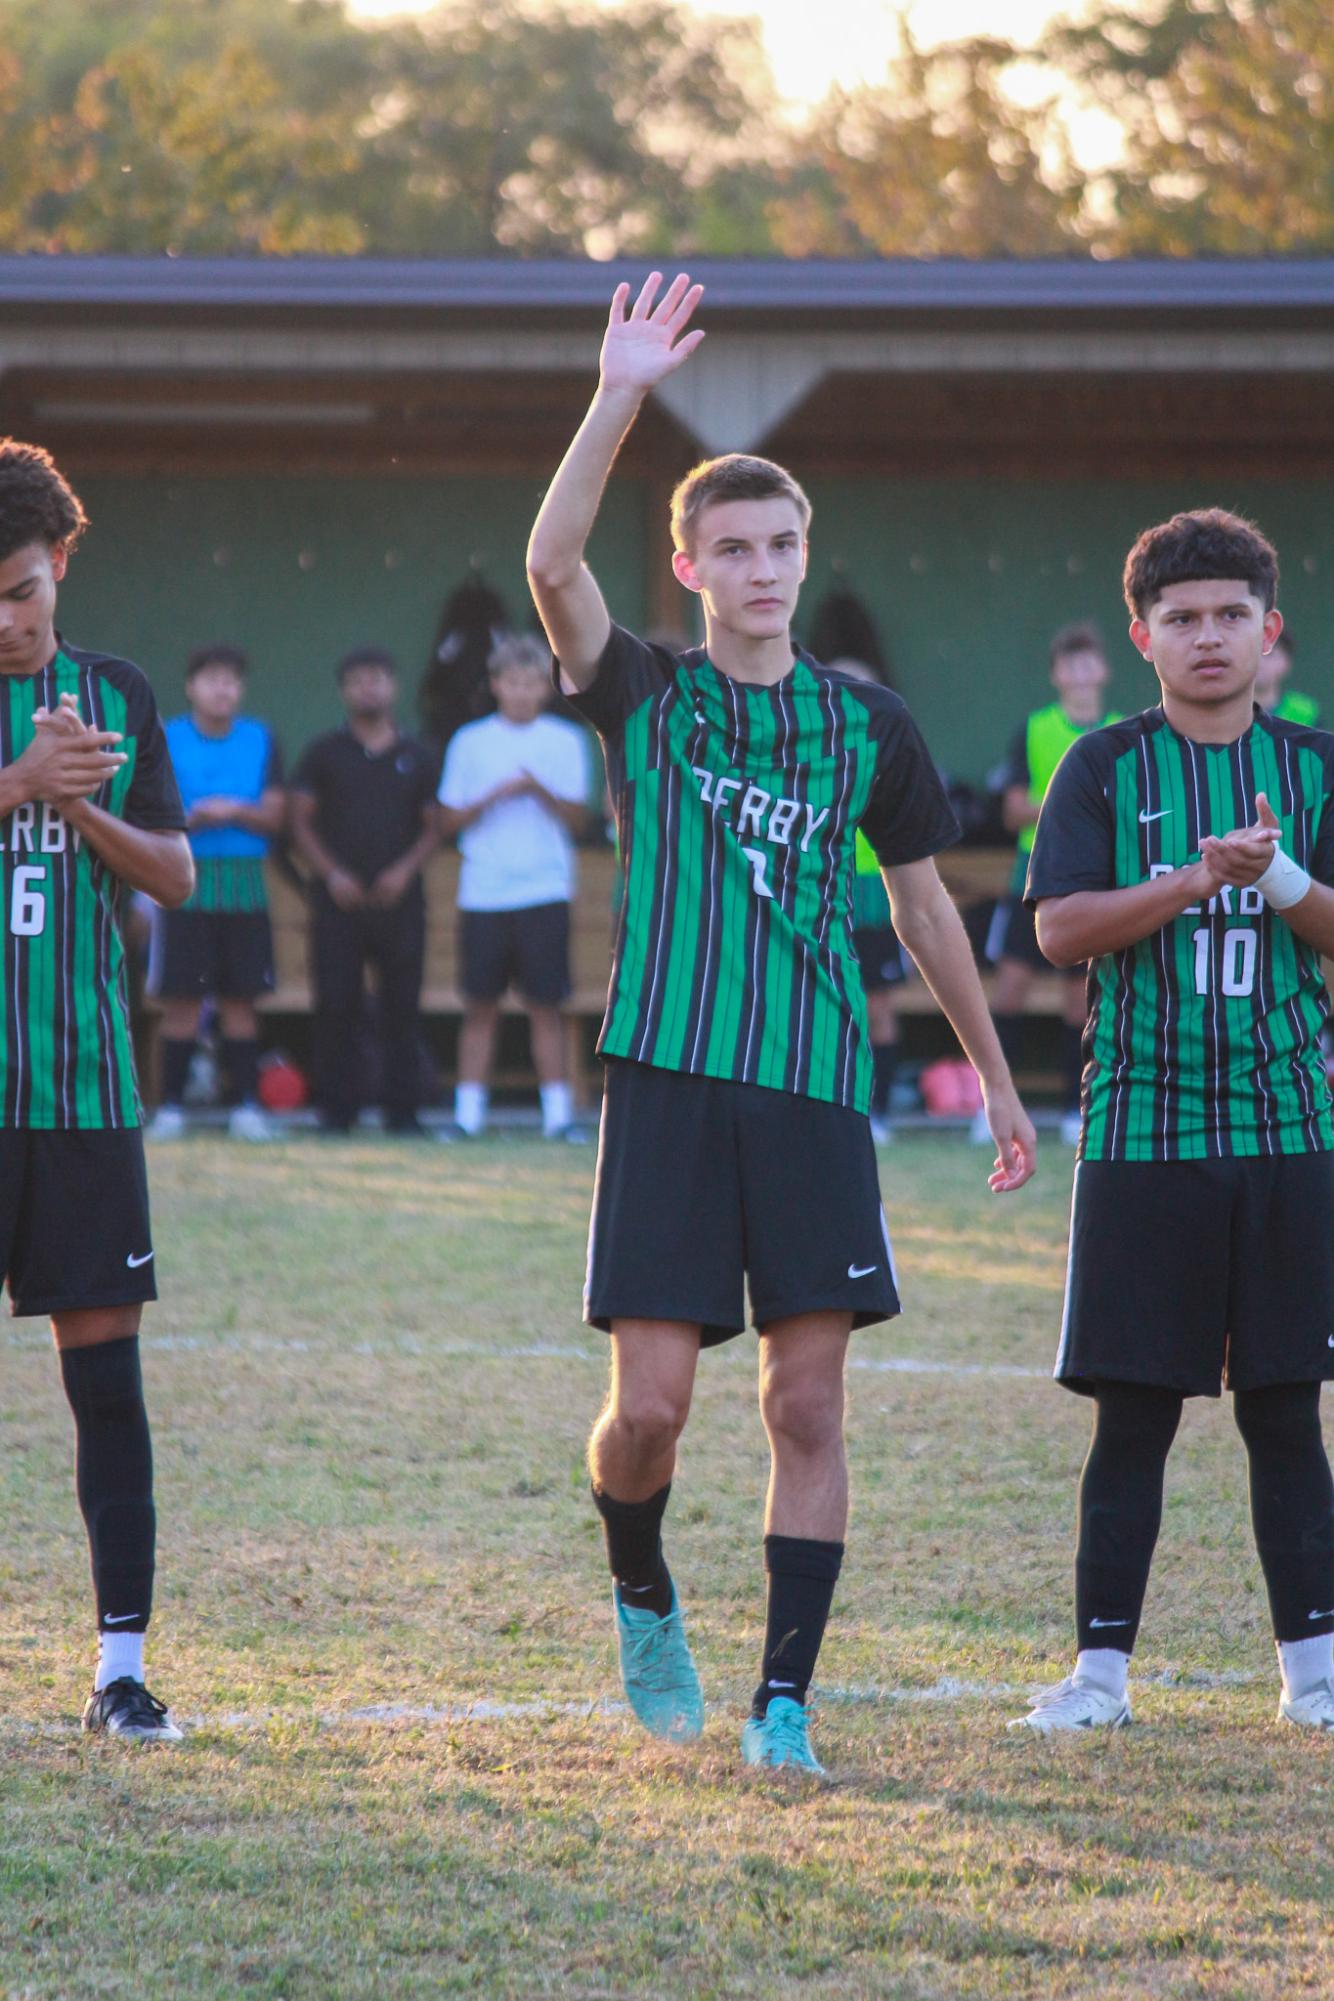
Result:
[966,578]
[299,570]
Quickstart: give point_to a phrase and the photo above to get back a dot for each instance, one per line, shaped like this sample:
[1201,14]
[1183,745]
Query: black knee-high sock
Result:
[240,1057]
[114,1478]
[1072,1064]
[802,1576]
[1121,1510]
[885,1058]
[176,1054]
[634,1549]
[1292,1505]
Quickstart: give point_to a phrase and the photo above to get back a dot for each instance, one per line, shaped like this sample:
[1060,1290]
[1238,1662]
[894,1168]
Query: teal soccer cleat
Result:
[778,1739]
[657,1672]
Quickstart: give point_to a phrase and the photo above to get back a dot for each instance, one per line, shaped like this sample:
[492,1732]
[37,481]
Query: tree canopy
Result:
[284,126]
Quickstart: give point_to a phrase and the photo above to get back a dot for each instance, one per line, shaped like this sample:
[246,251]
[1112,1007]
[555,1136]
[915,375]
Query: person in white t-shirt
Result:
[515,791]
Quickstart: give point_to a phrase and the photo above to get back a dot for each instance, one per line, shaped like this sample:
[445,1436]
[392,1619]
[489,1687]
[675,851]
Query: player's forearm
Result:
[932,931]
[1093,922]
[157,862]
[572,813]
[308,844]
[13,790]
[260,816]
[415,858]
[567,514]
[1018,809]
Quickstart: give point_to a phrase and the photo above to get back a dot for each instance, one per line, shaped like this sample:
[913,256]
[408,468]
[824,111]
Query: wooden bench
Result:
[970,874]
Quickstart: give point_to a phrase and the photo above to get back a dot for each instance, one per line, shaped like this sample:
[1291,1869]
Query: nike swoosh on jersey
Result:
[134,1262]
[1145,818]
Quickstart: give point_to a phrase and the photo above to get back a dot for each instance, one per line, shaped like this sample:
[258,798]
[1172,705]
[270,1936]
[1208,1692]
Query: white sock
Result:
[118,1654]
[1105,1667]
[557,1108]
[470,1107]
[1303,1663]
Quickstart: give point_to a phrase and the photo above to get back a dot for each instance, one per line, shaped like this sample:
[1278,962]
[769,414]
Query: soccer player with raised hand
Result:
[1188,853]
[88,805]
[735,1141]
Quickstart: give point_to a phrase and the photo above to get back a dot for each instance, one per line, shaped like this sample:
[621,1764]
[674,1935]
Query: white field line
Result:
[541,1351]
[389,1715]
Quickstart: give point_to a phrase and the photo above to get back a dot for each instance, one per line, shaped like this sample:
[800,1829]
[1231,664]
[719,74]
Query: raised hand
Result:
[642,346]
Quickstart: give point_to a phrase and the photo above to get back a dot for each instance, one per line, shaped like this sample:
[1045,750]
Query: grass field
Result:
[382,1596]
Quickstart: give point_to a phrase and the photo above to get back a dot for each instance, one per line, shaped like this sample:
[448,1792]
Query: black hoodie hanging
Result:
[454,688]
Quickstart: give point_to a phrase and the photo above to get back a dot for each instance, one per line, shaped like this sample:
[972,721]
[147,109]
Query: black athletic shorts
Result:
[225,953]
[703,1185]
[1194,1275]
[528,949]
[880,956]
[74,1220]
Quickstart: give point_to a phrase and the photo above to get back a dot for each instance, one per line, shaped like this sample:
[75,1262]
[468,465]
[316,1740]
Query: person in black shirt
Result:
[364,822]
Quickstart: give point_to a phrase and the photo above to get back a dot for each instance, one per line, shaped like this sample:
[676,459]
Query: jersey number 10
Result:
[1236,957]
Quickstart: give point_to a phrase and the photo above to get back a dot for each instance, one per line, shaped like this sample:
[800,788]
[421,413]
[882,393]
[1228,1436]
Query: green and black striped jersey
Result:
[737,809]
[65,1054]
[1202,1041]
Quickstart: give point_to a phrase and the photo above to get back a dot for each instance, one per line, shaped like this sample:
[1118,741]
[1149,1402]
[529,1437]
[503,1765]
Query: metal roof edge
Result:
[894,286]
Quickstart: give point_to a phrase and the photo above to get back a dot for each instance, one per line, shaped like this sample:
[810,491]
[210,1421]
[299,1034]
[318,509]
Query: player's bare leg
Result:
[239,1024]
[477,1054]
[631,1459]
[99,1363]
[176,1046]
[546,1029]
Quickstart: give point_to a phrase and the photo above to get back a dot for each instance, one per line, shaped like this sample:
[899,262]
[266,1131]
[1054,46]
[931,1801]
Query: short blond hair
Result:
[519,649]
[734,476]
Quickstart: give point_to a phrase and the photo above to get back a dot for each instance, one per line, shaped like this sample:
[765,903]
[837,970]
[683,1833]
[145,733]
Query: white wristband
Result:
[1284,882]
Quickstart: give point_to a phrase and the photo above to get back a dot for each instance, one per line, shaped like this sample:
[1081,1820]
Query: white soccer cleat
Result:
[1313,1709]
[168,1122]
[1075,1705]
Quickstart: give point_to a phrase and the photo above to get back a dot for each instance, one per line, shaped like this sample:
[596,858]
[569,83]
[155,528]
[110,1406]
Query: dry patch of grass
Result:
[369,1499]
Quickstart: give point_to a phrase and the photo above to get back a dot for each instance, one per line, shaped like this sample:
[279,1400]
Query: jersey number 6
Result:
[27,904]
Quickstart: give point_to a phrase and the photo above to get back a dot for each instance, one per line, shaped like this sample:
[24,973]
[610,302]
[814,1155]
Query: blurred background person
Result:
[1079,674]
[219,945]
[514,792]
[1270,692]
[364,824]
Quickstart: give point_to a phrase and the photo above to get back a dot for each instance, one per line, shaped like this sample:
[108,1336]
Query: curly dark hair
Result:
[1207,545]
[37,502]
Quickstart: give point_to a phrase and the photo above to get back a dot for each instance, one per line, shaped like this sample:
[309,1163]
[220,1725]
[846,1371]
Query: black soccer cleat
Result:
[124,1708]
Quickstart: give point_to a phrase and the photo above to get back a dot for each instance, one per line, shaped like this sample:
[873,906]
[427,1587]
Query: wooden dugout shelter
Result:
[297,455]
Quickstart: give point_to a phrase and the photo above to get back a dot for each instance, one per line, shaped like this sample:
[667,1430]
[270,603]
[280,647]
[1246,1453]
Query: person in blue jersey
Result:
[219,945]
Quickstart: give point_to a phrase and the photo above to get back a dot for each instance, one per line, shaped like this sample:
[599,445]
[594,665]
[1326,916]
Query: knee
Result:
[805,1418]
[1282,1416]
[649,1419]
